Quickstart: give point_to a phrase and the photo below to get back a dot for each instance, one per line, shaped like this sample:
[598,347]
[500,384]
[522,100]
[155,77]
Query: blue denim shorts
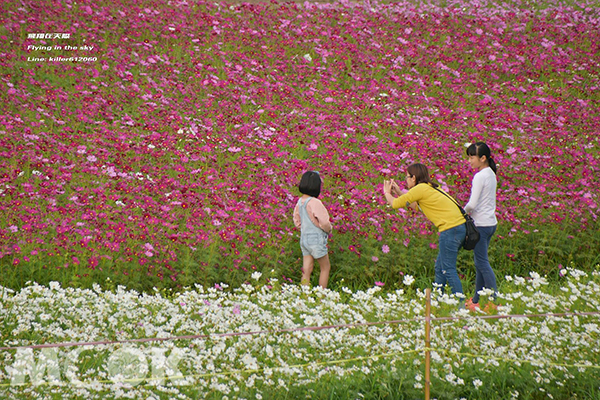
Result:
[314,244]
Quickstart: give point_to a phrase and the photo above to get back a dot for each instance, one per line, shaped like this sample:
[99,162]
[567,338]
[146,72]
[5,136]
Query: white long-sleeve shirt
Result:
[482,203]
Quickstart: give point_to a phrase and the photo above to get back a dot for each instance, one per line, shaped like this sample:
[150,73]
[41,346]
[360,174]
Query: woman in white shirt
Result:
[482,207]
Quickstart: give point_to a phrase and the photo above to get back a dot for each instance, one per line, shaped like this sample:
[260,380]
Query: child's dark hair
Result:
[481,149]
[421,174]
[310,184]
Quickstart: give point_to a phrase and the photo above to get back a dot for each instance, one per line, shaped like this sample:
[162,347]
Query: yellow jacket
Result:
[439,209]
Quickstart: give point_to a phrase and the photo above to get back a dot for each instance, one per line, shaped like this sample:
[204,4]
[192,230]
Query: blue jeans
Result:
[484,275]
[451,241]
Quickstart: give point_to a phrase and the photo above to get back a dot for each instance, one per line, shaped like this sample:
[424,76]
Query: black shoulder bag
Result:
[472,236]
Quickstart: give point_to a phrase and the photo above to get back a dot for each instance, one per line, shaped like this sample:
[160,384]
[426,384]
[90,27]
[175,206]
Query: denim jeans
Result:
[451,241]
[484,275]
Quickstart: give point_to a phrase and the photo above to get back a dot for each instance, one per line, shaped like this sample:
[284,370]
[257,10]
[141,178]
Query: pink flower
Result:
[379,283]
[246,162]
[374,259]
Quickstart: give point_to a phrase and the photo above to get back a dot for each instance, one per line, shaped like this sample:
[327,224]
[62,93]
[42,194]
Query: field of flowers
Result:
[168,153]
[149,158]
[277,341]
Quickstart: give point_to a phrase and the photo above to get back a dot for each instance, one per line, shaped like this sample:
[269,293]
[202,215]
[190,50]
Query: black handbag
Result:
[472,236]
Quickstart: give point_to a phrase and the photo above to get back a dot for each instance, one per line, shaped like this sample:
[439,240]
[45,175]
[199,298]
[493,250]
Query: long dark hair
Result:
[421,174]
[481,149]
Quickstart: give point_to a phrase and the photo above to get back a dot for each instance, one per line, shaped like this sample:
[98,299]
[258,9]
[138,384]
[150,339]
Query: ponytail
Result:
[493,165]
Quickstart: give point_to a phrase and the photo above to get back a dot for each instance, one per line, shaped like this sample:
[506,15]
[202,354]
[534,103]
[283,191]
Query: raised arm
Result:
[392,193]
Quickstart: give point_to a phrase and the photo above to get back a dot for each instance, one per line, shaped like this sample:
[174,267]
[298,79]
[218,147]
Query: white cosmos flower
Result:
[408,280]
[256,275]
[295,358]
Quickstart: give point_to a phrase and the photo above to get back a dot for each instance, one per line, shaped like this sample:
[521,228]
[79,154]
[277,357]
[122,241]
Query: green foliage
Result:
[545,250]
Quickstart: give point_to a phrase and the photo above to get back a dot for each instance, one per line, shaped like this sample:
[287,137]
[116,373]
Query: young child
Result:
[312,218]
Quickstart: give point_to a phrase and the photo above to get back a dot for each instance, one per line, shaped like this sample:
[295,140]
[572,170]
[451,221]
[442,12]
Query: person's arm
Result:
[395,189]
[297,221]
[476,191]
[319,212]
[406,199]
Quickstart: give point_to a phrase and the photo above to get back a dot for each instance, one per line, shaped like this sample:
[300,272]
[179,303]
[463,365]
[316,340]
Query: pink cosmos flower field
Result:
[170,145]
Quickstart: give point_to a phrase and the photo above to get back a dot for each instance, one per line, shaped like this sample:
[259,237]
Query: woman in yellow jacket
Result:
[445,215]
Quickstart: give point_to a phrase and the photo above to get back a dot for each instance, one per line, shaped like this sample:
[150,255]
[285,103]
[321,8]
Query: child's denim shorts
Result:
[314,244]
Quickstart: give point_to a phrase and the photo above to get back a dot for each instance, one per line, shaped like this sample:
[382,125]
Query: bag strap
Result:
[462,210]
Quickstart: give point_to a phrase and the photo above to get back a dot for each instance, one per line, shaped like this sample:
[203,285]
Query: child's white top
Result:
[482,203]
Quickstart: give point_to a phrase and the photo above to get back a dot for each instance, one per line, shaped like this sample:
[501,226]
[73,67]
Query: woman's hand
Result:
[387,187]
[387,192]
[395,189]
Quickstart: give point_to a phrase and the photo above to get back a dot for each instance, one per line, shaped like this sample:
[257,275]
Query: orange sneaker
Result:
[491,307]
[472,306]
